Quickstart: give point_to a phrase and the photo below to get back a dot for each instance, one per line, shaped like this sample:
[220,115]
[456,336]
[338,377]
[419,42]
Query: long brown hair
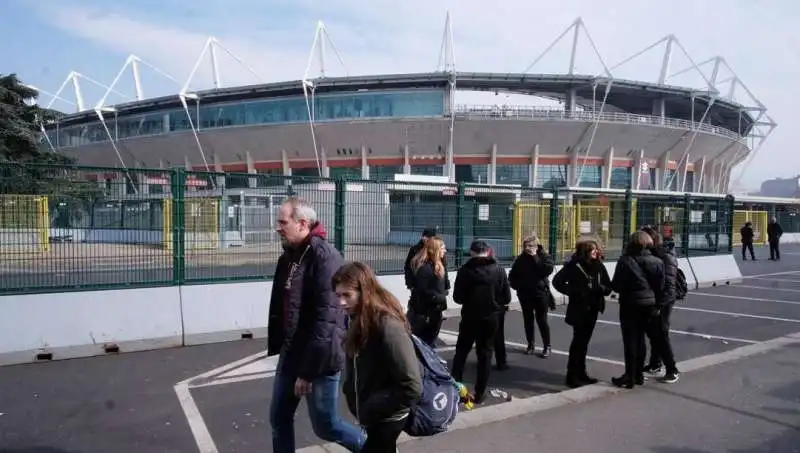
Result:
[375,303]
[430,253]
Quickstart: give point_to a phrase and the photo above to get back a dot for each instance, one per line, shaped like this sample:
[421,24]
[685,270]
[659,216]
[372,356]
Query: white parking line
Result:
[774,273]
[738,315]
[554,351]
[681,332]
[784,280]
[725,296]
[765,288]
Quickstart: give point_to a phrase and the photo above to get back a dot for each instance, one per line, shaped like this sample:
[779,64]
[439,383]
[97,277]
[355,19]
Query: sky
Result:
[46,39]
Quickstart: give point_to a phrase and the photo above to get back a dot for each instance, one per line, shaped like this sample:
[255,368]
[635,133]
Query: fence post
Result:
[553,224]
[178,179]
[687,214]
[460,224]
[731,206]
[627,215]
[339,214]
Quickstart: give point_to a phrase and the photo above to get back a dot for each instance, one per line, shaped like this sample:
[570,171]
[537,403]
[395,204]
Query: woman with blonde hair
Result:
[429,293]
[529,276]
[380,397]
[585,281]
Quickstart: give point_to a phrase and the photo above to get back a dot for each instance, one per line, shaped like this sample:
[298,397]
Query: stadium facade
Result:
[607,133]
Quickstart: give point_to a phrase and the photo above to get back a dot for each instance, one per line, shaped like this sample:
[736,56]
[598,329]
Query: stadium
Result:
[403,142]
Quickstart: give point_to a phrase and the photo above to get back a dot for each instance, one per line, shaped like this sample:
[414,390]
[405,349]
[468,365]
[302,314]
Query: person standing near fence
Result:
[529,276]
[307,329]
[747,234]
[639,281]
[658,330]
[429,291]
[585,281]
[774,233]
[482,290]
[408,271]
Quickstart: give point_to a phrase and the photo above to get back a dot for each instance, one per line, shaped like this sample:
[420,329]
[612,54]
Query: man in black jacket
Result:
[408,272]
[482,290]
[747,235]
[306,328]
[774,233]
[658,329]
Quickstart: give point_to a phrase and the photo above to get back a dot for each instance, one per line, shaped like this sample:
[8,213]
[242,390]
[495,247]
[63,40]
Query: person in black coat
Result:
[658,330]
[584,279]
[639,281]
[408,271]
[529,276]
[774,233]
[747,234]
[429,291]
[481,288]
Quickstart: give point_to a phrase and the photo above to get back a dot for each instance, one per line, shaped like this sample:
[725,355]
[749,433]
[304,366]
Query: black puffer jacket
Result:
[586,284]
[529,277]
[639,279]
[306,323]
[670,294]
[481,288]
[428,291]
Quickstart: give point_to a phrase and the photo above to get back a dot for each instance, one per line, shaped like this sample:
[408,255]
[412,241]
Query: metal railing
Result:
[152,227]
[486,112]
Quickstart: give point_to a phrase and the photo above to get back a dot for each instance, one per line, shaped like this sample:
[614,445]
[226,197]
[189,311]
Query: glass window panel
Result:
[345,172]
[620,177]
[513,174]
[551,175]
[427,170]
[478,173]
[384,172]
[590,176]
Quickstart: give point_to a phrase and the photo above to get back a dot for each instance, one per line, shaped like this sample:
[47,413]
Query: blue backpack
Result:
[438,405]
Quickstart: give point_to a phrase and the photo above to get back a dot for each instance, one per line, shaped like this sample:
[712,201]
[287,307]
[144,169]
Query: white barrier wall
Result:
[82,324]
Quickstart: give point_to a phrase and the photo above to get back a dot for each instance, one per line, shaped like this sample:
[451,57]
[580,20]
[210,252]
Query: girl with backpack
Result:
[382,380]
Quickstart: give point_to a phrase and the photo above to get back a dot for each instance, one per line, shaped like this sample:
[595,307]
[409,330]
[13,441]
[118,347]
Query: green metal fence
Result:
[101,228]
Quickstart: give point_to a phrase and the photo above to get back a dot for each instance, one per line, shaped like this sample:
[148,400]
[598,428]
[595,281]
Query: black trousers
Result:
[426,326]
[382,437]
[480,332]
[749,247]
[634,321]
[775,249]
[533,311]
[660,344]
[500,340]
[582,331]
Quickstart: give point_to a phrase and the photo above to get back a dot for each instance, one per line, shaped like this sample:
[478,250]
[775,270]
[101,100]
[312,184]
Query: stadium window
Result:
[513,174]
[551,175]
[427,170]
[620,178]
[384,172]
[472,173]
[590,176]
[345,172]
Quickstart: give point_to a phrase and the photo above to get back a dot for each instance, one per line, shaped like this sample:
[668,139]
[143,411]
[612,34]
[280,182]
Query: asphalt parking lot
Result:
[129,403]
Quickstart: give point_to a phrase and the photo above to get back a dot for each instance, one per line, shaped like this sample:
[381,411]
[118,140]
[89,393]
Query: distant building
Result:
[781,187]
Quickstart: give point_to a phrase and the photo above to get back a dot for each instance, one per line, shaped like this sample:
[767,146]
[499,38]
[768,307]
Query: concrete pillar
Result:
[492,173]
[449,165]
[364,163]
[572,169]
[406,160]
[533,170]
[325,170]
[287,170]
[608,168]
[683,167]
[218,168]
[636,171]
[251,169]
[661,172]
[660,108]
[569,102]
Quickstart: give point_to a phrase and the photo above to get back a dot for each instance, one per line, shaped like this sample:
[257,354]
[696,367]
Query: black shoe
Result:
[652,369]
[478,399]
[622,381]
[588,380]
[502,367]
[573,382]
[671,377]
[546,352]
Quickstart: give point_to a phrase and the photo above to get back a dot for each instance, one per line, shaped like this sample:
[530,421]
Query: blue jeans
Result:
[323,410]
